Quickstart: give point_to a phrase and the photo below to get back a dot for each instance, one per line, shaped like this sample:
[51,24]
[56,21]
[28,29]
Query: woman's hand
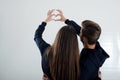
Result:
[49,16]
[62,18]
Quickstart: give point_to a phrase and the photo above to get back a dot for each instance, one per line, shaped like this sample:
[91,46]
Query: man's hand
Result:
[99,74]
[45,77]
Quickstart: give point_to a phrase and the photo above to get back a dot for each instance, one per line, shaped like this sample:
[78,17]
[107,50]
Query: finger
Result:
[50,19]
[45,77]
[58,15]
[52,15]
[57,19]
[50,11]
[60,11]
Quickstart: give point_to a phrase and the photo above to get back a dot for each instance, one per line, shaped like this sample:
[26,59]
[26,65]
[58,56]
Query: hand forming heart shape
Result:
[56,15]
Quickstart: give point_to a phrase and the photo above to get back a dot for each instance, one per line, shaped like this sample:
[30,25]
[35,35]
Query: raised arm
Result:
[42,45]
[74,24]
[68,22]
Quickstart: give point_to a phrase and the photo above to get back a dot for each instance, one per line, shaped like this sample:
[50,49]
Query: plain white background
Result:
[19,56]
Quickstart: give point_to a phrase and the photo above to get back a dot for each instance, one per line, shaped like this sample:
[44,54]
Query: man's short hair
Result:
[91,31]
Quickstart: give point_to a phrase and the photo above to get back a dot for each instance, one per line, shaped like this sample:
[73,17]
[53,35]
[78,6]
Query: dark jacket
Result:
[90,62]
[42,45]
[90,59]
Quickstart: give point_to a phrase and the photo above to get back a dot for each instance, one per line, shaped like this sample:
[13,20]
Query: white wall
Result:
[19,56]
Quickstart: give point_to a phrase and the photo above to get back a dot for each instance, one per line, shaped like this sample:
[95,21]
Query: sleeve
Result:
[74,24]
[102,55]
[42,45]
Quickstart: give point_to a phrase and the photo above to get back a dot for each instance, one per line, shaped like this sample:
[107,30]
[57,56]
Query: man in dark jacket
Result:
[92,55]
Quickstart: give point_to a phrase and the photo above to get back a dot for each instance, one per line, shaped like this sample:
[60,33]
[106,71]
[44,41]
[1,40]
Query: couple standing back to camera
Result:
[61,60]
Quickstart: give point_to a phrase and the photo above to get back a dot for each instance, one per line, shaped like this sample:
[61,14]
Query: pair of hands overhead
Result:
[51,14]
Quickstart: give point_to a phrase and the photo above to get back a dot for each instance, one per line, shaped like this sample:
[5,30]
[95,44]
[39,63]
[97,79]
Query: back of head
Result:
[65,51]
[91,31]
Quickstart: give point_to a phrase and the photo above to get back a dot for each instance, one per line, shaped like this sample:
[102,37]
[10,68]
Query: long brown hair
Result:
[64,55]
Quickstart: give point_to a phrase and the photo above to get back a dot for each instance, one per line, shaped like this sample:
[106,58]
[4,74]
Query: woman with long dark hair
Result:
[60,61]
